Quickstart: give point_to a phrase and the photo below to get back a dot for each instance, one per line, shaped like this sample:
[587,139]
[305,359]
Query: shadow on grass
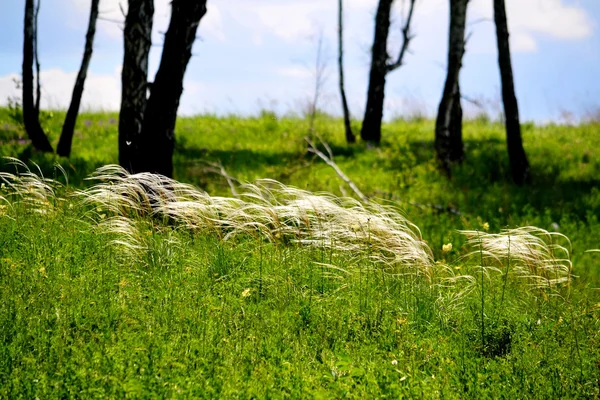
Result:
[484,178]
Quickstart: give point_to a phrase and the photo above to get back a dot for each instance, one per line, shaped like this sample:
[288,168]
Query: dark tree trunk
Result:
[371,127]
[38,87]
[457,153]
[448,126]
[137,36]
[516,153]
[38,137]
[158,129]
[349,135]
[66,137]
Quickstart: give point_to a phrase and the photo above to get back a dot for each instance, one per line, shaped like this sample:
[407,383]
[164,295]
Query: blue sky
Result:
[257,54]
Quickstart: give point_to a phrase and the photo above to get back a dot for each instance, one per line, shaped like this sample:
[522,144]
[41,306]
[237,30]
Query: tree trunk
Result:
[66,137]
[38,87]
[371,128]
[457,153]
[158,129]
[448,126]
[34,130]
[349,135]
[137,36]
[516,153]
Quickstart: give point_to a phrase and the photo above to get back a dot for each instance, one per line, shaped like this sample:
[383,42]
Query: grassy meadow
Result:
[132,286]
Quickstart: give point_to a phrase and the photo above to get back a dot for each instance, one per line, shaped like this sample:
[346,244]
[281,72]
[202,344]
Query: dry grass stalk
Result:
[530,253]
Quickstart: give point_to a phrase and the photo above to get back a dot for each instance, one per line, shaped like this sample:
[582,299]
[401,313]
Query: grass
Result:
[134,286]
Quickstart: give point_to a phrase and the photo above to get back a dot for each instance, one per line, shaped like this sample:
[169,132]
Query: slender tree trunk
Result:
[371,127]
[457,148]
[516,153]
[158,129]
[380,67]
[66,137]
[448,127]
[349,135]
[38,137]
[137,36]
[38,87]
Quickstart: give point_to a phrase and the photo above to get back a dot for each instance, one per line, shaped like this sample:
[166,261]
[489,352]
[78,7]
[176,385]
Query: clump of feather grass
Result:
[268,210]
[36,192]
[529,253]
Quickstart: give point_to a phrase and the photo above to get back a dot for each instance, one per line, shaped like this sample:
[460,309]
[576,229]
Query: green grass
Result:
[189,314]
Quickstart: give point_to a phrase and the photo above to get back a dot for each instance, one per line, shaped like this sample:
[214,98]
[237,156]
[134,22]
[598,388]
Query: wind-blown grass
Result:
[529,253]
[266,210]
[139,286]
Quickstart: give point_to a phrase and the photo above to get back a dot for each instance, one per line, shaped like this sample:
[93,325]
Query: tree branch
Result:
[313,149]
[406,39]
[218,168]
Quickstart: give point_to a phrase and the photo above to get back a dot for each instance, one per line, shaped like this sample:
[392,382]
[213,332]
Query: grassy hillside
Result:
[283,293]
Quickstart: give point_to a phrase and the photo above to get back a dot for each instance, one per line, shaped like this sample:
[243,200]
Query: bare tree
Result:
[380,67]
[66,137]
[38,87]
[38,137]
[350,138]
[319,75]
[448,126]
[158,128]
[137,35]
[516,153]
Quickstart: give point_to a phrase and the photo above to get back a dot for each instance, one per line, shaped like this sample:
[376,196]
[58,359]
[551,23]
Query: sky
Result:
[260,54]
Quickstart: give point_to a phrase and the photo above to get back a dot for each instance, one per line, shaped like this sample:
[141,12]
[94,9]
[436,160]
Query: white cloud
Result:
[287,21]
[8,88]
[530,19]
[294,72]
[112,20]
[101,91]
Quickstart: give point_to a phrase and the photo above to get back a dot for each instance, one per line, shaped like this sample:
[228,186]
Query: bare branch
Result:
[313,149]
[324,143]
[472,101]
[320,67]
[218,168]
[350,138]
[406,39]
[114,21]
[480,20]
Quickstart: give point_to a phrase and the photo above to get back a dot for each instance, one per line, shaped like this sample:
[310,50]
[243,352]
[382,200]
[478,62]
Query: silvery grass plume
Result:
[530,253]
[33,190]
[268,210]
[126,236]
[135,239]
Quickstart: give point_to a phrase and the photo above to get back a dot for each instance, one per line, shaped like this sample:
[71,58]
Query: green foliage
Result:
[192,315]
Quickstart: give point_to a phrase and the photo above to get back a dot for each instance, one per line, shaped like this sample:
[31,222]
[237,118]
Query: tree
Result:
[66,137]
[448,126]
[349,135]
[516,153]
[380,67]
[38,87]
[34,130]
[158,128]
[137,35]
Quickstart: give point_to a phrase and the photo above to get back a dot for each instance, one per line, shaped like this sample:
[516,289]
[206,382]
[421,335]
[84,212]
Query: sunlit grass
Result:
[139,286]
